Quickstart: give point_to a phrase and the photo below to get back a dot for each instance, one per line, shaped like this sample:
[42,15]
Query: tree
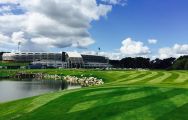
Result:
[138,62]
[115,63]
[186,65]
[181,63]
[141,62]
[127,62]
[162,64]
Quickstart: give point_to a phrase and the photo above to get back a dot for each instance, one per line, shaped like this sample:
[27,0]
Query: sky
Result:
[121,28]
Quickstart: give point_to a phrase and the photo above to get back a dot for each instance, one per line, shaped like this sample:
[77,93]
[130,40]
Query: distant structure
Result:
[1,54]
[58,60]
[99,49]
[19,44]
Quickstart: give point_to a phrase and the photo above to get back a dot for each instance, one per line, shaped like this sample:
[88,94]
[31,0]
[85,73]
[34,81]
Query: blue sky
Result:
[164,20]
[119,29]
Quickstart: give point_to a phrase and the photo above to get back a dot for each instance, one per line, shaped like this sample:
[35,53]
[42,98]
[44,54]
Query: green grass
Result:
[3,63]
[126,95]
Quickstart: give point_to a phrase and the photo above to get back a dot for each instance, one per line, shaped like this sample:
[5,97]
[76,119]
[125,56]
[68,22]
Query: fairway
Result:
[126,95]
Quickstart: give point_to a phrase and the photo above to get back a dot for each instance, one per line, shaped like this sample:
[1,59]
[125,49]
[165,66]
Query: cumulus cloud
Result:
[16,37]
[10,9]
[134,48]
[5,9]
[12,23]
[5,42]
[53,23]
[19,37]
[152,41]
[4,39]
[129,48]
[176,51]
[8,1]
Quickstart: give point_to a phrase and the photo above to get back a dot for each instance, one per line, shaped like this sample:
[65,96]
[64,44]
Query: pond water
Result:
[17,89]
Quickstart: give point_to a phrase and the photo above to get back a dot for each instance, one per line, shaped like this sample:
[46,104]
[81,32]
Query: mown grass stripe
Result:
[161,78]
[111,78]
[132,76]
[109,90]
[135,77]
[171,78]
[127,75]
[124,75]
[180,113]
[110,110]
[116,99]
[159,74]
[119,92]
[24,106]
[185,83]
[124,97]
[149,75]
[183,76]
[155,110]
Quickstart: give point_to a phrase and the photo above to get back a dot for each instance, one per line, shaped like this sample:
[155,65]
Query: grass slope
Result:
[3,63]
[130,95]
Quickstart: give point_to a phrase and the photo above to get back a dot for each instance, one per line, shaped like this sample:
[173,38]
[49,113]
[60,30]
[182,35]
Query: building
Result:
[94,61]
[59,60]
[74,60]
[31,56]
[1,55]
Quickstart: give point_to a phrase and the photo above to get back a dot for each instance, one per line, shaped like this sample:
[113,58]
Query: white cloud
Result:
[10,43]
[11,23]
[62,23]
[18,37]
[112,55]
[152,41]
[8,1]
[115,2]
[15,38]
[4,39]
[134,48]
[5,9]
[176,51]
[8,8]
[129,48]
[5,42]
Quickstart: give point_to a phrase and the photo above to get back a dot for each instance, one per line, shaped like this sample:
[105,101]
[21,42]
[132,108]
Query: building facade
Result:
[31,56]
[94,61]
[59,60]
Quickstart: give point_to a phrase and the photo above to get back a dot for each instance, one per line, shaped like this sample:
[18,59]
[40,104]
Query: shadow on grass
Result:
[176,114]
[58,109]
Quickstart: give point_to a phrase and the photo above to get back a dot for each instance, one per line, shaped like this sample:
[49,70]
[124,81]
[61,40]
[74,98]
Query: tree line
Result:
[180,63]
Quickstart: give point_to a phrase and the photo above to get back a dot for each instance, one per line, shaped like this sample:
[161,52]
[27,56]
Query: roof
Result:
[9,54]
[74,54]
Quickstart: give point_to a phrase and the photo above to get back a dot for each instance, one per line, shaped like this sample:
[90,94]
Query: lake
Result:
[17,89]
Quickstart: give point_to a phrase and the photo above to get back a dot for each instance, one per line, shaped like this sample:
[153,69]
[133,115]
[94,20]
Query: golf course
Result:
[125,95]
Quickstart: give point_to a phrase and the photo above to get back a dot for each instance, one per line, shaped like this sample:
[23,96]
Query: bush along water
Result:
[83,81]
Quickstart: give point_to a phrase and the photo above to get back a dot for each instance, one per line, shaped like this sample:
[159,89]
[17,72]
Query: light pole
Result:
[99,49]
[19,43]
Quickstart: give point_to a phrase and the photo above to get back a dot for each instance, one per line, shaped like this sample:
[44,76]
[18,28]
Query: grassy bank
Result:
[6,63]
[130,95]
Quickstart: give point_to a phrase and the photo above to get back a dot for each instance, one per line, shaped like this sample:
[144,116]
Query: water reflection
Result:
[12,90]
